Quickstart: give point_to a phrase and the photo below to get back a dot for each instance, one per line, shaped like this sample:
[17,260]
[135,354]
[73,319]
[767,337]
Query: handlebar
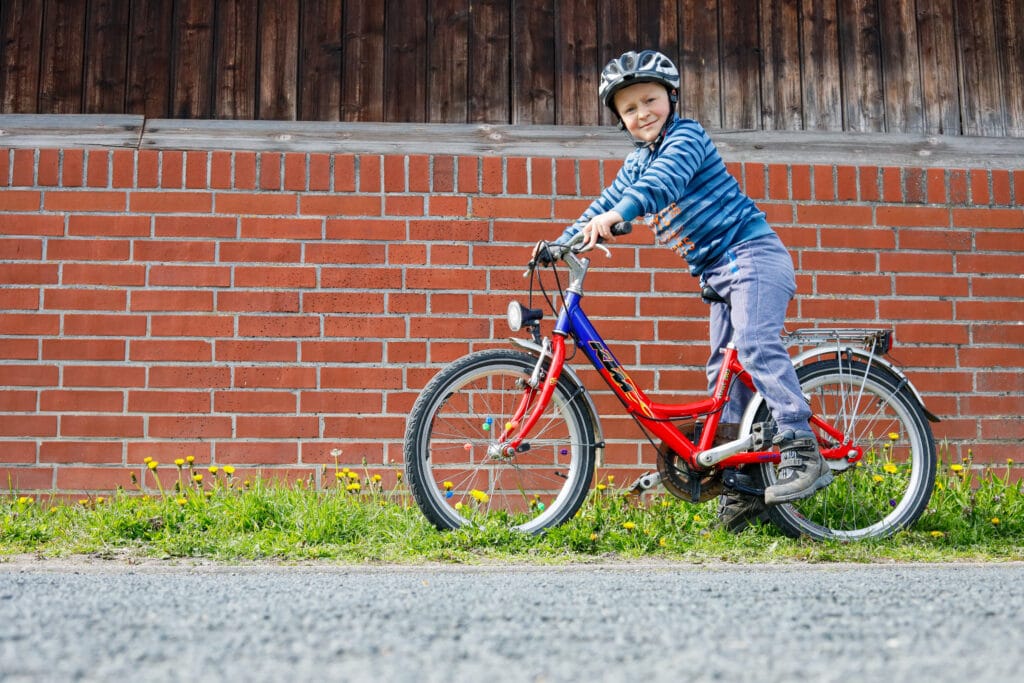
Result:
[559,251]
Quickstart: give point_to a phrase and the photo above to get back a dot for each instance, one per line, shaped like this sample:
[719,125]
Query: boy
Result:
[677,180]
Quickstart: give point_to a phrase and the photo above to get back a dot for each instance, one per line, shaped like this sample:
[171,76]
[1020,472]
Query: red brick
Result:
[123,169]
[170,350]
[29,324]
[28,273]
[171,300]
[833,215]
[147,168]
[869,177]
[72,171]
[492,175]
[979,187]
[258,453]
[754,181]
[937,185]
[988,218]
[172,164]
[892,184]
[283,302]
[195,226]
[98,163]
[778,182]
[278,326]
[824,183]
[78,201]
[174,250]
[21,200]
[419,173]
[189,376]
[373,278]
[912,216]
[94,452]
[340,402]
[925,240]
[295,172]
[957,186]
[104,376]
[34,375]
[1001,192]
[403,205]
[468,169]
[171,202]
[931,286]
[915,189]
[84,300]
[275,276]
[246,204]
[220,170]
[19,224]
[330,352]
[319,172]
[20,452]
[169,402]
[26,479]
[265,252]
[48,168]
[340,205]
[192,325]
[270,170]
[24,168]
[19,349]
[81,401]
[394,173]
[565,177]
[110,275]
[105,226]
[100,325]
[800,178]
[256,351]
[344,173]
[276,427]
[541,175]
[83,349]
[282,228]
[370,171]
[275,377]
[245,171]
[447,206]
[120,426]
[196,170]
[342,302]
[443,175]
[500,207]
[17,401]
[190,427]
[590,177]
[516,178]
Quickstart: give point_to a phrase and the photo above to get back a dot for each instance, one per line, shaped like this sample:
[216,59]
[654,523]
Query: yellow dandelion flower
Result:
[479,496]
[698,518]
[593,536]
[83,501]
[459,506]
[339,475]
[611,478]
[376,478]
[197,478]
[889,468]
[878,478]
[353,487]
[147,460]
[938,534]
[628,526]
[399,475]
[24,500]
[353,475]
[190,459]
[213,469]
[995,520]
[179,462]
[956,468]
[100,499]
[601,487]
[182,501]
[894,436]
[152,464]
[1009,461]
[448,486]
[229,470]
[662,542]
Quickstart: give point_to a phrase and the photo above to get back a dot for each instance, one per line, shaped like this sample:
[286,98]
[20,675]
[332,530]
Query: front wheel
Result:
[889,487]
[454,476]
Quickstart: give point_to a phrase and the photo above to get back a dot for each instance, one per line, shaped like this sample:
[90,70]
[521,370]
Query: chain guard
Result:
[682,482]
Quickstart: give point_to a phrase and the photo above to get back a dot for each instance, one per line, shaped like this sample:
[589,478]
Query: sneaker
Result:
[802,470]
[737,511]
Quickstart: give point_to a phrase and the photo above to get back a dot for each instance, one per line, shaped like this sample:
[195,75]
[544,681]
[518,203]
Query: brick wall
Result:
[260,309]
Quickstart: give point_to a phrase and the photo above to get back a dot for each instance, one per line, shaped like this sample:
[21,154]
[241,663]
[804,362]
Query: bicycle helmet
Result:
[646,66]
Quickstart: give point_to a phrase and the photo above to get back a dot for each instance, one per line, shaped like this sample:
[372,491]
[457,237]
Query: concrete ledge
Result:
[604,142]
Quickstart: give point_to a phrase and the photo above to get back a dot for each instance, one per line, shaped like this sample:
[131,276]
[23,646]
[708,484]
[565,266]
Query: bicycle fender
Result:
[573,378]
[871,359]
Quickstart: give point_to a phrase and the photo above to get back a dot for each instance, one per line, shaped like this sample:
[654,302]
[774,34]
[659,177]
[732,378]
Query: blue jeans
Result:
[757,280]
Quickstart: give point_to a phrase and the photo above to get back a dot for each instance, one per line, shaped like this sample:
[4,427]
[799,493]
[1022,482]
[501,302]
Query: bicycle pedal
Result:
[741,483]
[645,483]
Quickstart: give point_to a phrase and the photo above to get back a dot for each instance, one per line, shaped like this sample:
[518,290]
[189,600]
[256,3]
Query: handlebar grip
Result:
[623,228]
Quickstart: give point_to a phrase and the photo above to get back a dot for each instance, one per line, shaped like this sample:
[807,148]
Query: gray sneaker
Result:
[737,511]
[802,470]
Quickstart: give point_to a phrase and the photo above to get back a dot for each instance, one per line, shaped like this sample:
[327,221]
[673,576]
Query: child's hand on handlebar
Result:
[600,228]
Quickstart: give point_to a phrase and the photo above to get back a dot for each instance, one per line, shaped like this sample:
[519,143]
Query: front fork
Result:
[531,406]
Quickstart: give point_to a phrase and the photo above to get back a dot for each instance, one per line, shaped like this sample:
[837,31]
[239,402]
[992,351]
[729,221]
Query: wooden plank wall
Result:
[914,66]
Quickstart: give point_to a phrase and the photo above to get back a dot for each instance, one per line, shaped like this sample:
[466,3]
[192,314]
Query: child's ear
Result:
[673,96]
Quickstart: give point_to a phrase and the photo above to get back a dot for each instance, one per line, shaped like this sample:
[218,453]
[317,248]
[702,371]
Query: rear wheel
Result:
[889,487]
[457,479]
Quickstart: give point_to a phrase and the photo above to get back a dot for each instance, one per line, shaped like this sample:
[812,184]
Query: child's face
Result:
[644,108]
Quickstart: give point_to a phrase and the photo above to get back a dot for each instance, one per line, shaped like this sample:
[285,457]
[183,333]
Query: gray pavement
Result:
[108,621]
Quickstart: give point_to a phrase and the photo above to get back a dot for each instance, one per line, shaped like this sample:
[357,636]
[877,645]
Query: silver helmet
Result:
[646,66]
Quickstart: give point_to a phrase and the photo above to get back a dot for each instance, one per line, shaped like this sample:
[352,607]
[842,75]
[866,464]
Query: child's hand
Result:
[600,228]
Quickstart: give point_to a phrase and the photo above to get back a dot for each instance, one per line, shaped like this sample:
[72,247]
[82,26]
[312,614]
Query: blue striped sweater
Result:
[686,195]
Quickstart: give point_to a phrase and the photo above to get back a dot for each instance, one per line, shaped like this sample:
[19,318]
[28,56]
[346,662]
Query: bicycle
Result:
[514,435]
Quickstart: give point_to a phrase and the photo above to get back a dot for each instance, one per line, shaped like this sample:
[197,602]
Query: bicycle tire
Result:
[889,488]
[461,411]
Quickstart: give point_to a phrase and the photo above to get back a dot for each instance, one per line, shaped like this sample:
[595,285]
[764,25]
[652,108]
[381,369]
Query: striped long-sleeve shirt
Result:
[686,195]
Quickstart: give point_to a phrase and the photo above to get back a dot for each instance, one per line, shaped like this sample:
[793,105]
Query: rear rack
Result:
[874,340]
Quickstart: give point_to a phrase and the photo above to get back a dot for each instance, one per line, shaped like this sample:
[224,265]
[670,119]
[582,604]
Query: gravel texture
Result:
[110,621]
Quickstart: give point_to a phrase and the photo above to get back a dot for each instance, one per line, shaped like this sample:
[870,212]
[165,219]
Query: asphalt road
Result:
[110,621]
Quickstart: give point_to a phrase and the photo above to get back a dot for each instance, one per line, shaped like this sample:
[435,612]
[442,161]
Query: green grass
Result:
[974,514]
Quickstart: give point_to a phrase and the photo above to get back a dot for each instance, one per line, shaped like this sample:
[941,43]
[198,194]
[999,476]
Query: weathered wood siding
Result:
[909,66]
